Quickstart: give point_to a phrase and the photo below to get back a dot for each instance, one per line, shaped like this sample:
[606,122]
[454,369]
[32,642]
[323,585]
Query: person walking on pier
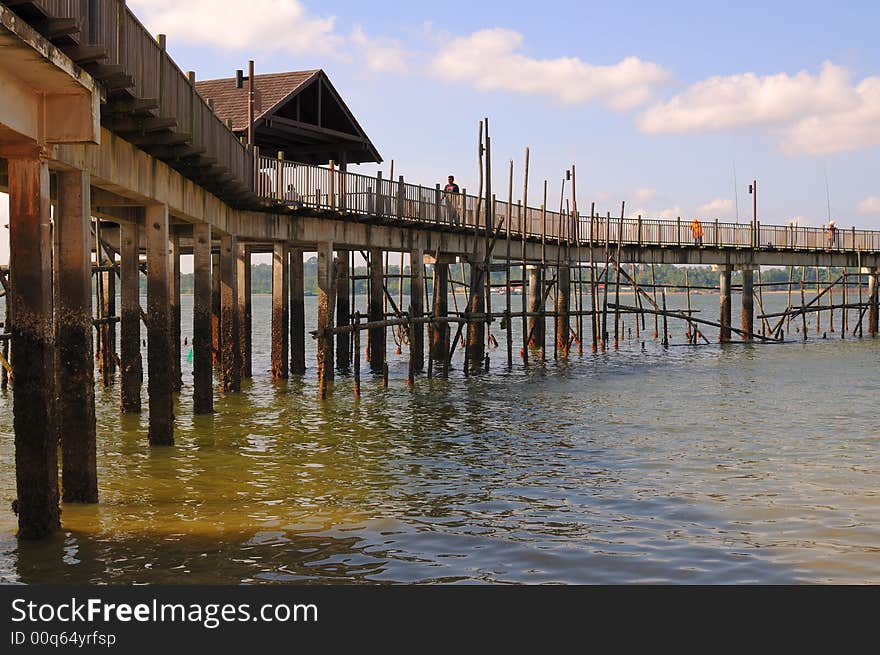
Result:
[697,231]
[832,234]
[450,191]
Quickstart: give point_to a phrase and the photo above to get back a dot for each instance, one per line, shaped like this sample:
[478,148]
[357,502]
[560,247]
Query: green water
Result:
[705,465]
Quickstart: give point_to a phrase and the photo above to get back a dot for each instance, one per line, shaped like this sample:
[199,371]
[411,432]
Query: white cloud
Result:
[644,195]
[380,54]
[813,114]
[262,25]
[851,129]
[718,208]
[869,206]
[492,59]
[668,213]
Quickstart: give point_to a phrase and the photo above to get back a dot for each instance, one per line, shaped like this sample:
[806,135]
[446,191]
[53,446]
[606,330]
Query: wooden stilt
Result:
[174,295]
[748,303]
[417,309]
[215,308]
[326,301]
[376,336]
[343,309]
[131,363]
[203,385]
[280,310]
[243,309]
[297,314]
[725,315]
[230,362]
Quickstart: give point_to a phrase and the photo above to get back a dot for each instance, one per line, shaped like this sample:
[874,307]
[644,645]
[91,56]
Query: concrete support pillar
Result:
[417,307]
[132,371]
[476,329]
[873,304]
[203,387]
[724,318]
[297,314]
[33,346]
[748,304]
[174,292]
[440,331]
[376,310]
[280,311]
[326,300]
[536,299]
[76,369]
[563,304]
[243,308]
[343,309]
[215,308]
[160,349]
[230,356]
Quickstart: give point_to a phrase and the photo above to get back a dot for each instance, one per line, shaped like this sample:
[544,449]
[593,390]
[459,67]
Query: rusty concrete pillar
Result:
[33,346]
[748,303]
[160,350]
[476,328]
[131,364]
[536,301]
[563,306]
[174,293]
[440,331]
[280,310]
[297,314]
[417,307]
[243,307]
[376,311]
[203,383]
[215,308]
[230,355]
[343,309]
[75,368]
[725,317]
[326,301]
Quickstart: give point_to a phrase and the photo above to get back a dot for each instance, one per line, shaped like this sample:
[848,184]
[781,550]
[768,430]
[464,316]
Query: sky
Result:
[672,107]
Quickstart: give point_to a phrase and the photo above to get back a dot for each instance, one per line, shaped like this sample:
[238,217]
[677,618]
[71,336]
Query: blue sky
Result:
[655,103]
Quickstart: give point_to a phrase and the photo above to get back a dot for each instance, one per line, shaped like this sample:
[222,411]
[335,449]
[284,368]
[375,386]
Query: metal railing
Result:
[324,188]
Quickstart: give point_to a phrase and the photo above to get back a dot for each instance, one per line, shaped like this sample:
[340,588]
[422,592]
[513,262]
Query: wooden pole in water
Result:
[819,303]
[748,303]
[524,229]
[280,310]
[243,309]
[665,327]
[297,314]
[326,301]
[75,368]
[844,318]
[594,300]
[617,276]
[357,356]
[131,364]
[654,291]
[417,308]
[831,302]
[725,319]
[159,347]
[873,315]
[508,317]
[440,332]
[605,286]
[203,384]
[803,313]
[543,280]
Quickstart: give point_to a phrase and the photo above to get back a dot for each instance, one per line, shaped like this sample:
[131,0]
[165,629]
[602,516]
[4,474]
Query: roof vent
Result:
[239,79]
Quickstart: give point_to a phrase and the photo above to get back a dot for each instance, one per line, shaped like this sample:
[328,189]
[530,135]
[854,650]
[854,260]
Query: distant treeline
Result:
[666,274]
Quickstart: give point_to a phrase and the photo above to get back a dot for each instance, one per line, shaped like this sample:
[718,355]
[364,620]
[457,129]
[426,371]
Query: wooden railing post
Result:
[331,185]
[255,168]
[401,196]
[678,230]
[717,235]
[437,203]
[639,230]
[279,175]
[378,203]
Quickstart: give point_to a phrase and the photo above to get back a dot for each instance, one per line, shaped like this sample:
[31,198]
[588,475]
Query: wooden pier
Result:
[143,164]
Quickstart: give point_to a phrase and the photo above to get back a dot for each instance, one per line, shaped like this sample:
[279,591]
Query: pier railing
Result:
[325,188]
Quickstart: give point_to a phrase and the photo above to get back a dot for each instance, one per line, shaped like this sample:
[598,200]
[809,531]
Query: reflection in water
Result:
[733,464]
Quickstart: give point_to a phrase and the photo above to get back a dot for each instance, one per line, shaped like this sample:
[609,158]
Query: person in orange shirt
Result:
[697,231]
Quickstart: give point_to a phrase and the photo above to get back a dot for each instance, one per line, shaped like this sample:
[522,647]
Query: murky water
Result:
[703,465]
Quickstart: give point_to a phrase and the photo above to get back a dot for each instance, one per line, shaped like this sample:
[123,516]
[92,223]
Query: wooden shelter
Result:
[299,113]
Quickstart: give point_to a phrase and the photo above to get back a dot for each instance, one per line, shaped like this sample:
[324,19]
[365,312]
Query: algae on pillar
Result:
[75,365]
[280,310]
[159,342]
[203,384]
[33,346]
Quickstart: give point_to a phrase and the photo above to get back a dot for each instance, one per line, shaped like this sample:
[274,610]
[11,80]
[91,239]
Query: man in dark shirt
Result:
[450,191]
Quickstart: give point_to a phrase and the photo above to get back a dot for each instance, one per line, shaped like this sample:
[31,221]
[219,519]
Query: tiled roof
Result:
[269,90]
